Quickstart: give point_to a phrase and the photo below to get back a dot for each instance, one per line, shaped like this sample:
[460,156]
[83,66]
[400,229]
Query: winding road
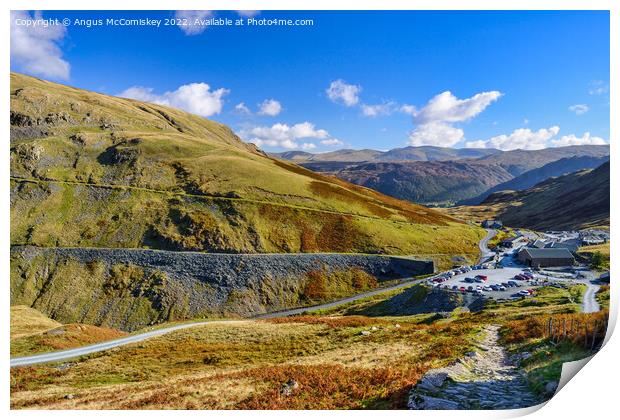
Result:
[107,345]
[589,303]
[484,245]
[135,338]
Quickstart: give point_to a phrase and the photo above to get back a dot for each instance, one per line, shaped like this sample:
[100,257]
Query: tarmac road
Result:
[107,345]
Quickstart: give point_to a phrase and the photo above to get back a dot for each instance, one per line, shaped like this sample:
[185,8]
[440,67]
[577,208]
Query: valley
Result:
[158,261]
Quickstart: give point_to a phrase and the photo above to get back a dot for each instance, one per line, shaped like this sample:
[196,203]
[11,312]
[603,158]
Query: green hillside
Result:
[94,170]
[574,201]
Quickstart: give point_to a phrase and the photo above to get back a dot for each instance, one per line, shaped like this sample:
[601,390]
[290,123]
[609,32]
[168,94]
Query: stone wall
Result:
[74,284]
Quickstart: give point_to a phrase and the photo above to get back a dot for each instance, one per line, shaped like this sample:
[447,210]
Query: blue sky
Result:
[478,78]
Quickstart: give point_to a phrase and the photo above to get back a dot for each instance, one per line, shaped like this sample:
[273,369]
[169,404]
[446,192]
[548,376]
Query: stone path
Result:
[484,379]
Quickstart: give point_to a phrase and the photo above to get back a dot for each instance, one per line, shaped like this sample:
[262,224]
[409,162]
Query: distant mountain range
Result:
[429,182]
[573,201]
[530,178]
[444,176]
[410,153]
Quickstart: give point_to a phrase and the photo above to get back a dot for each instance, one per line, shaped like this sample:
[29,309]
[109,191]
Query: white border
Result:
[591,395]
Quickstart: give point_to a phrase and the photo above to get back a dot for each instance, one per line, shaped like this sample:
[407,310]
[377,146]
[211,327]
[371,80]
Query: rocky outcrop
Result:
[131,288]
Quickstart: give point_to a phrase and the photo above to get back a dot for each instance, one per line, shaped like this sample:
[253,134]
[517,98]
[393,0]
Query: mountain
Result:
[410,153]
[518,162]
[530,178]
[90,170]
[426,182]
[343,155]
[573,201]
[443,176]
[429,153]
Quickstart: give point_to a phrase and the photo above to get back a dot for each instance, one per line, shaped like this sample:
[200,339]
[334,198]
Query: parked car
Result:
[519,277]
[524,293]
[487,288]
[455,287]
[470,288]
[469,280]
[462,289]
[482,277]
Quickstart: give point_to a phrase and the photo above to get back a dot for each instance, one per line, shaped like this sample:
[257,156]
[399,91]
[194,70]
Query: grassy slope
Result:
[121,173]
[603,249]
[243,365]
[27,321]
[32,332]
[573,201]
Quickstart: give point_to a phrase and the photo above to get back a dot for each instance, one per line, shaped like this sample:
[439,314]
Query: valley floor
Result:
[326,359]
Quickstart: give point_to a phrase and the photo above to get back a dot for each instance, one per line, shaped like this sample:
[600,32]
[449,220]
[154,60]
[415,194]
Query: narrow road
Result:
[107,345]
[589,303]
[484,245]
[483,379]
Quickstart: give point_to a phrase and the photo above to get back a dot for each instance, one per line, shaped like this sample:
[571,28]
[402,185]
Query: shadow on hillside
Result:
[414,300]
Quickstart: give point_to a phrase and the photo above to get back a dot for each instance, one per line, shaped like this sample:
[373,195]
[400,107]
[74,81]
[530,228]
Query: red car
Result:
[482,277]
[463,290]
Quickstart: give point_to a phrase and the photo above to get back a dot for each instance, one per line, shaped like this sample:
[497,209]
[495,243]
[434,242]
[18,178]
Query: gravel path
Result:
[484,379]
[589,303]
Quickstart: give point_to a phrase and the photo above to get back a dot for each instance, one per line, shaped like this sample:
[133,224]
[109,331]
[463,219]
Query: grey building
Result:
[546,257]
[492,224]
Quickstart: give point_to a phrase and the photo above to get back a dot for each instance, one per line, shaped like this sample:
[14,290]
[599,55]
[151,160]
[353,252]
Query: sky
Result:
[331,80]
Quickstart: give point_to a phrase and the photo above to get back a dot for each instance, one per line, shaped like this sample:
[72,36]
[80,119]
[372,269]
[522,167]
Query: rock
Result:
[436,378]
[373,328]
[288,387]
[364,332]
[64,366]
[424,402]
[69,397]
[551,387]
[397,326]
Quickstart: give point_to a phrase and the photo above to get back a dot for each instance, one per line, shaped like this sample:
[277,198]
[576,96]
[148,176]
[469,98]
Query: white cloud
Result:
[435,134]
[446,107]
[196,98]
[340,91]
[379,109]
[194,25]
[241,108]
[435,120]
[522,138]
[285,136]
[269,107]
[572,140]
[598,87]
[248,13]
[579,109]
[331,142]
[408,109]
[35,48]
[477,144]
